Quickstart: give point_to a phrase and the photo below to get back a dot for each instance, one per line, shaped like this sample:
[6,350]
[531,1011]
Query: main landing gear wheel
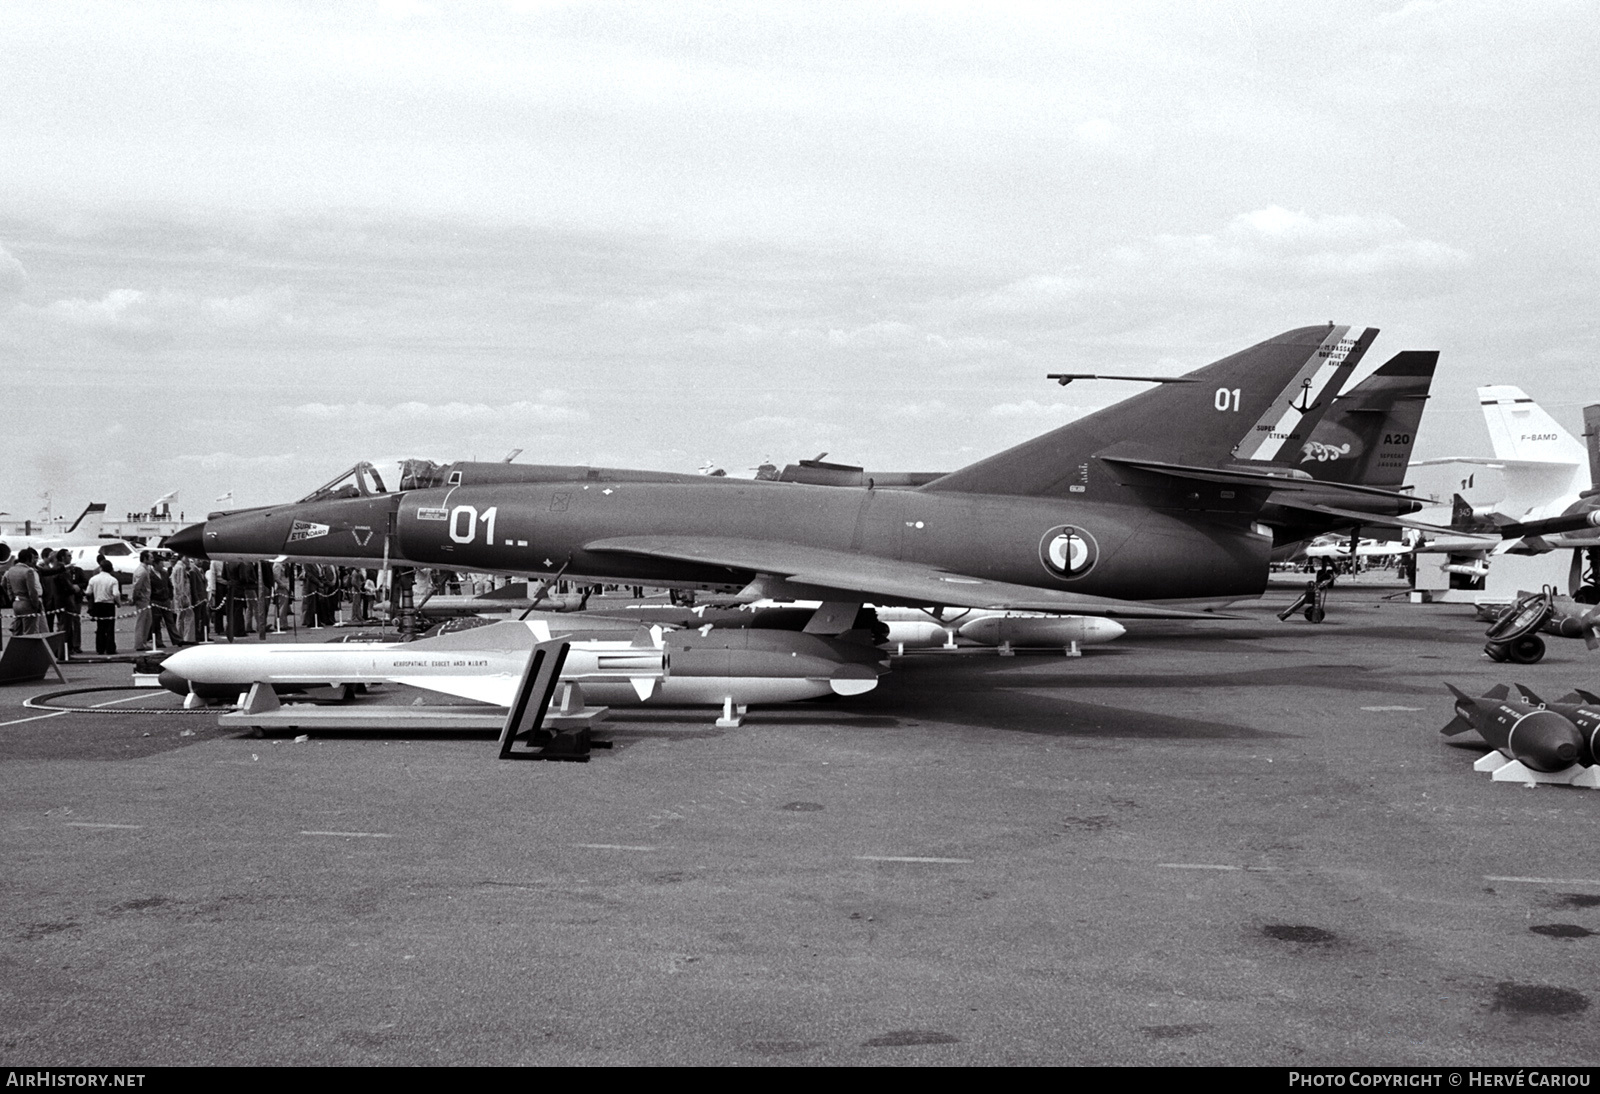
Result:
[1497,651]
[1315,614]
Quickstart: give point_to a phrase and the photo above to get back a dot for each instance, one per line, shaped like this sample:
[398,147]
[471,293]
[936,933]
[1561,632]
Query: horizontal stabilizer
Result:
[1261,479]
[1495,464]
[867,578]
[1386,521]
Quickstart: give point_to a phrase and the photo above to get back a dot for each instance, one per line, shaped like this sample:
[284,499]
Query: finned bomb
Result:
[1540,739]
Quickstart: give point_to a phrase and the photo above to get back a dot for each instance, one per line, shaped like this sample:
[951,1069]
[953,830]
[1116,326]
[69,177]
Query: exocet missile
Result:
[1540,738]
[486,664]
[1582,709]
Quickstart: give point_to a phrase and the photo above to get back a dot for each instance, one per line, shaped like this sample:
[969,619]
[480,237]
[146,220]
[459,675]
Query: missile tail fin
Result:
[1499,691]
[1529,696]
[1459,723]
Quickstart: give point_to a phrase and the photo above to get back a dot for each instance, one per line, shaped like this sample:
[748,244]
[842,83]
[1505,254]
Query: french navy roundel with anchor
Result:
[1068,551]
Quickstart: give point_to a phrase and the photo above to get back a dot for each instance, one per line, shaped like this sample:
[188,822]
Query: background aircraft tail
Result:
[1367,437]
[1591,438]
[1520,429]
[1245,407]
[1544,463]
[87,526]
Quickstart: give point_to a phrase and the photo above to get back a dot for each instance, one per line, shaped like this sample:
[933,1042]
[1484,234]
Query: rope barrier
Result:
[42,702]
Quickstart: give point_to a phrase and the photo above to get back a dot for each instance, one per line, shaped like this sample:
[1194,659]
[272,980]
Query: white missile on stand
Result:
[486,664]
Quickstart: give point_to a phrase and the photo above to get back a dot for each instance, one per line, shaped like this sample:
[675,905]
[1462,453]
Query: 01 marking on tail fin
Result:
[1224,415]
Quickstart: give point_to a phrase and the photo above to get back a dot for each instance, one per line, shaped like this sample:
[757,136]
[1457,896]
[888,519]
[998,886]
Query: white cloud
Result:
[220,461]
[770,423]
[1095,131]
[12,275]
[251,310]
[874,335]
[1275,242]
[1032,410]
[125,309]
[455,413]
[140,317]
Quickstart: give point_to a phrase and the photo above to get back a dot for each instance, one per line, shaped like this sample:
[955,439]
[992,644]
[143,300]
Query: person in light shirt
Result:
[103,593]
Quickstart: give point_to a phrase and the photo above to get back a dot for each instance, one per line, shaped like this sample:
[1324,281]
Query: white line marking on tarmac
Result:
[86,824]
[1214,866]
[611,847]
[910,858]
[59,713]
[1412,709]
[1545,880]
[364,835]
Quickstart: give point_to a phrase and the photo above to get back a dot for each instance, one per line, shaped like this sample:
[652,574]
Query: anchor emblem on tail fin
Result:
[1305,398]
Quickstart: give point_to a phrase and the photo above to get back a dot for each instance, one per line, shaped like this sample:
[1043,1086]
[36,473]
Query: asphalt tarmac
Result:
[1224,843]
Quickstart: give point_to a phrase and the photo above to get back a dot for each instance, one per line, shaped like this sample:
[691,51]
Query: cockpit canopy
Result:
[422,474]
[361,481]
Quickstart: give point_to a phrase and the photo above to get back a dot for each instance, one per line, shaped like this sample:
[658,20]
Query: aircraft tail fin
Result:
[1464,518]
[1246,407]
[89,521]
[1368,434]
[1591,438]
[1521,429]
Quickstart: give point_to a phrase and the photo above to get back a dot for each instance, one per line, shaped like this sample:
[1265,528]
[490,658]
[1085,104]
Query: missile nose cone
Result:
[188,541]
[182,664]
[1545,741]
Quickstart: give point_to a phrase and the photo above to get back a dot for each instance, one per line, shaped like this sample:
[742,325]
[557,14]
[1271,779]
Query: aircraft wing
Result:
[867,578]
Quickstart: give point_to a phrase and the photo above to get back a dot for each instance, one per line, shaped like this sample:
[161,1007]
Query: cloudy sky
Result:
[243,245]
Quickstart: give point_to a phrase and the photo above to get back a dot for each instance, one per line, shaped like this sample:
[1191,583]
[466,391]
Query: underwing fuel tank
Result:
[1062,630]
[916,628]
[1541,739]
[765,665]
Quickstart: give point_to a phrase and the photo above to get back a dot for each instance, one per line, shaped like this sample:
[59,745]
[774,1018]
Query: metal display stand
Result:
[30,657]
[564,734]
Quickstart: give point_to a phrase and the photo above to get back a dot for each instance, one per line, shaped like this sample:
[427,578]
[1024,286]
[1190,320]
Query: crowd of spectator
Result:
[182,601]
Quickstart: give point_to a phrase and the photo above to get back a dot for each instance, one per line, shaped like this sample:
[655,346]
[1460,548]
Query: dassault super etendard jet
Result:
[1157,498]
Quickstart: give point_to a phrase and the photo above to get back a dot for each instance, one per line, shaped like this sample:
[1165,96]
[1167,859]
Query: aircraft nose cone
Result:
[188,541]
